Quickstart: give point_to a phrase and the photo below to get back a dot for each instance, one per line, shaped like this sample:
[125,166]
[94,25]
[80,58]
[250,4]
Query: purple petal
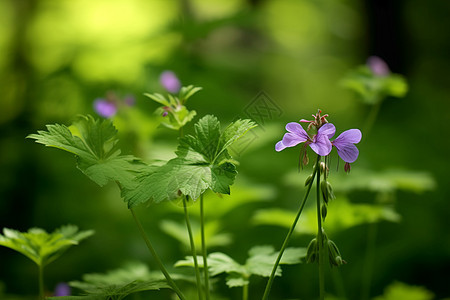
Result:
[349,136]
[348,152]
[296,128]
[170,81]
[321,145]
[378,66]
[345,144]
[279,146]
[327,130]
[105,108]
[292,139]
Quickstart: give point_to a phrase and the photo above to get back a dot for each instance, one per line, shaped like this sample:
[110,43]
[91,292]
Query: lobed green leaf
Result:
[94,142]
[202,163]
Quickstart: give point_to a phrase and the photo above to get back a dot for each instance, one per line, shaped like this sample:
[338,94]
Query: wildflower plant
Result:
[321,247]
[202,162]
[374,81]
[173,113]
[43,247]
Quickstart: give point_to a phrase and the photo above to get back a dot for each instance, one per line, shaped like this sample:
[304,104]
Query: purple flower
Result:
[129,100]
[378,66]
[170,81]
[105,108]
[320,142]
[62,289]
[344,144]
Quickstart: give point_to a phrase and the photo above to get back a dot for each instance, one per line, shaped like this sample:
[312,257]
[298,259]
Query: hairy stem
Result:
[194,252]
[204,250]
[320,240]
[291,230]
[156,257]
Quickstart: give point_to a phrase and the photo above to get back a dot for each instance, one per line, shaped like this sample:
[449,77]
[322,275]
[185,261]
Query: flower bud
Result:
[323,167]
[312,251]
[347,167]
[323,187]
[334,255]
[308,180]
[327,191]
[324,211]
[305,159]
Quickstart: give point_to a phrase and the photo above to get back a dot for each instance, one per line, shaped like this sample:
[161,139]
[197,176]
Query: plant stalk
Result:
[366,278]
[291,230]
[245,292]
[194,252]
[320,239]
[41,282]
[204,250]
[156,257]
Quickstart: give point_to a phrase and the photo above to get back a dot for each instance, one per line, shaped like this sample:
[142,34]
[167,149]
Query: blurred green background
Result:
[57,57]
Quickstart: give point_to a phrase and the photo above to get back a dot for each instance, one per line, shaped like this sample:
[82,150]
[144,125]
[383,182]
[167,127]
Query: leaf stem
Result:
[291,230]
[320,240]
[156,257]
[245,292]
[41,282]
[194,252]
[204,250]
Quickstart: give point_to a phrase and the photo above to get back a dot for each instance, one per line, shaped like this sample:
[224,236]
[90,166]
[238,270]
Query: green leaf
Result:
[260,262]
[236,280]
[262,258]
[117,284]
[221,263]
[345,215]
[187,91]
[40,246]
[212,233]
[399,290]
[94,142]
[202,163]
[158,98]
[373,88]
[176,115]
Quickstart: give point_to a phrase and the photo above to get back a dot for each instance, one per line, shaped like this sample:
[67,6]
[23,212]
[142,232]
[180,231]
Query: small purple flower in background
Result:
[170,81]
[62,289]
[378,66]
[105,108]
[108,107]
[129,100]
[320,142]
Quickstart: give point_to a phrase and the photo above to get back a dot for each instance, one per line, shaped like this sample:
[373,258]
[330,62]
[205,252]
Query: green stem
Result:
[194,252]
[291,230]
[370,121]
[41,282]
[245,292]
[156,257]
[320,240]
[366,278]
[204,250]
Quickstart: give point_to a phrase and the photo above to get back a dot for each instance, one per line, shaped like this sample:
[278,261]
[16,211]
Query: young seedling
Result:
[42,247]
